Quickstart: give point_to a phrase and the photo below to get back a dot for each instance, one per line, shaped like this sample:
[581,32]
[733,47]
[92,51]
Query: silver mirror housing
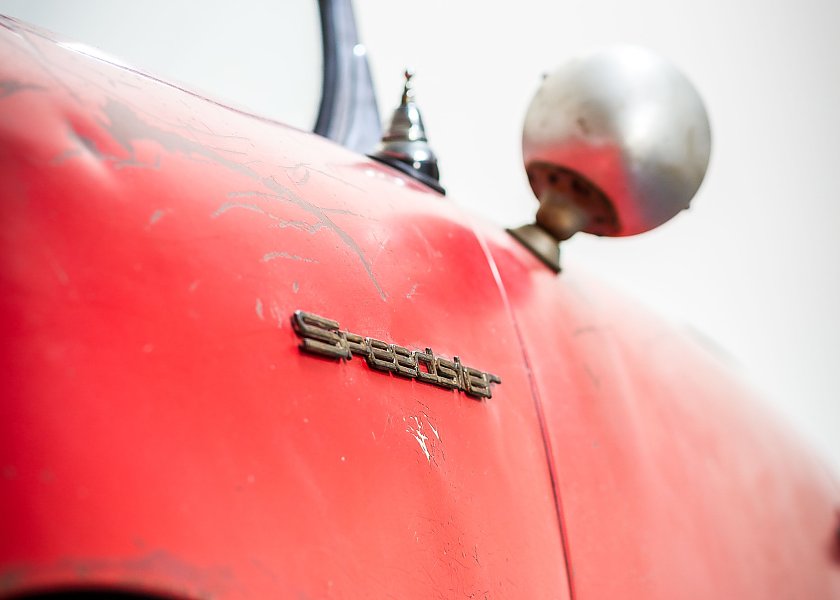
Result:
[615,143]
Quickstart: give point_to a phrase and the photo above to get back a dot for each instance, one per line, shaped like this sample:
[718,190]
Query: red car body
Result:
[161,431]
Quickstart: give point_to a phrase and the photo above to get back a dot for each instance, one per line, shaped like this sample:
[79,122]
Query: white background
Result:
[752,265]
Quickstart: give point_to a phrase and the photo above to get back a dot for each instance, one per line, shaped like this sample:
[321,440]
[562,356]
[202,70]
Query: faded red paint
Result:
[154,248]
[161,431]
[674,480]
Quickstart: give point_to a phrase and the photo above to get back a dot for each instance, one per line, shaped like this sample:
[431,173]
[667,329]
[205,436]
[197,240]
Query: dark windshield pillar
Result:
[348,113]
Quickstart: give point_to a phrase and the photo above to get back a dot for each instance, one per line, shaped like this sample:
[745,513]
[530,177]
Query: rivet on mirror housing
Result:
[615,144]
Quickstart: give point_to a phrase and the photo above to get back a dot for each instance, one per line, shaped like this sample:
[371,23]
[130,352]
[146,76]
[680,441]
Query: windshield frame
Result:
[348,113]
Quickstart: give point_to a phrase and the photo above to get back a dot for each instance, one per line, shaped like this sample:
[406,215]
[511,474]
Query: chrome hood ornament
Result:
[615,144]
[404,144]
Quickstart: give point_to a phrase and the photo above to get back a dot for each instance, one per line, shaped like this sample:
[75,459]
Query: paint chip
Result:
[268,256]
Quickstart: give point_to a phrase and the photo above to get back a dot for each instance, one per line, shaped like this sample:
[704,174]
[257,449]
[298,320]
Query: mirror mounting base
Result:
[540,242]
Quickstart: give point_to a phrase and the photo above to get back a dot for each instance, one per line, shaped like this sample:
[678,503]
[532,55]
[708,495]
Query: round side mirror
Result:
[615,143]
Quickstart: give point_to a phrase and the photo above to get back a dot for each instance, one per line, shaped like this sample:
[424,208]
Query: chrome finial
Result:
[615,143]
[408,89]
[404,144]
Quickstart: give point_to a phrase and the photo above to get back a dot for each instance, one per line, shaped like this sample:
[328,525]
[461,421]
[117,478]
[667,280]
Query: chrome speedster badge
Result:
[322,336]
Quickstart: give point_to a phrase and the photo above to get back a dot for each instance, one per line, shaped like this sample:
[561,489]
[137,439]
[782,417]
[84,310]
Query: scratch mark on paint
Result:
[272,183]
[270,196]
[157,216]
[126,127]
[306,168]
[417,433]
[269,256]
[381,246]
[592,376]
[251,194]
[386,427]
[430,250]
[259,309]
[87,145]
[297,174]
[410,294]
[46,65]
[344,211]
[9,87]
[280,223]
[431,446]
[435,431]
[229,205]
[299,225]
[277,314]
[295,287]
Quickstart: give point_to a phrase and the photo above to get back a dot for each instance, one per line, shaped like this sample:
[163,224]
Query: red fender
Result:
[162,431]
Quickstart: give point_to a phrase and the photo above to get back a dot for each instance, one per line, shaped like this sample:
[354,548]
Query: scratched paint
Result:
[12,86]
[277,314]
[227,391]
[126,128]
[269,256]
[278,222]
[157,216]
[426,435]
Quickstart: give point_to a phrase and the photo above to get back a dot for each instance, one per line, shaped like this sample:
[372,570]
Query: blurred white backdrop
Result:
[752,265]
